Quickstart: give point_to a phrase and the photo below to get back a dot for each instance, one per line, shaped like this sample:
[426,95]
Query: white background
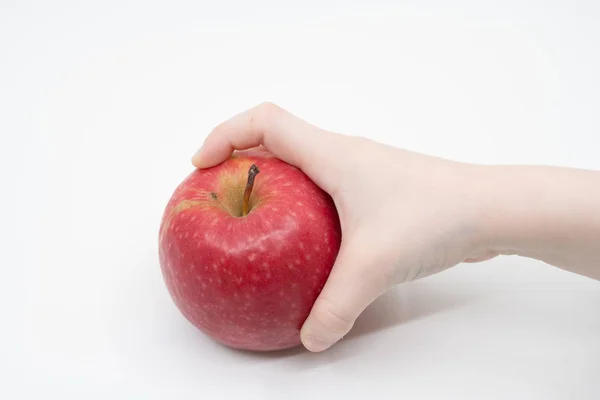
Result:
[103,103]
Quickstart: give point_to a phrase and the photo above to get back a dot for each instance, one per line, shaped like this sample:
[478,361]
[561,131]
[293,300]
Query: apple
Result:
[245,248]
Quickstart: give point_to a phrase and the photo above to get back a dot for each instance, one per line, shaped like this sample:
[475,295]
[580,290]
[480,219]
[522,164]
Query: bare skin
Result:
[406,216]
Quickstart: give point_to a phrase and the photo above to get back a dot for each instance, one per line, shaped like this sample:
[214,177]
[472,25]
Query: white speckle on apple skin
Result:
[299,204]
[210,237]
[252,257]
[308,257]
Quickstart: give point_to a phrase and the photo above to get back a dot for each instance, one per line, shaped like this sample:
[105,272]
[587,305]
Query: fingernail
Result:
[197,155]
[315,344]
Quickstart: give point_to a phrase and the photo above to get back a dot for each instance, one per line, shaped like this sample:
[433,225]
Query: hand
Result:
[404,215]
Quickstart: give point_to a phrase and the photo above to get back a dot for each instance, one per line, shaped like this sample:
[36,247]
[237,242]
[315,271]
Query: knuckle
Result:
[332,318]
[261,117]
[269,108]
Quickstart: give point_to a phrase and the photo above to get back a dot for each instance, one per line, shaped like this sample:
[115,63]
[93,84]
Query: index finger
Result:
[286,136]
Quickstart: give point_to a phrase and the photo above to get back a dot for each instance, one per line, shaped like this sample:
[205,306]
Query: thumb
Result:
[352,285]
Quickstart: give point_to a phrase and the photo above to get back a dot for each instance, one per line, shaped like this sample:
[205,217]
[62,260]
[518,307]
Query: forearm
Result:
[547,213]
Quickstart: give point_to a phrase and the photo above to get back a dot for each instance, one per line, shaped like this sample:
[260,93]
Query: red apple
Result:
[245,249]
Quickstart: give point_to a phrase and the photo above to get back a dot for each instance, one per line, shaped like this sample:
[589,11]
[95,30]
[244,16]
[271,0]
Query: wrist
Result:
[519,211]
[507,217]
[546,213]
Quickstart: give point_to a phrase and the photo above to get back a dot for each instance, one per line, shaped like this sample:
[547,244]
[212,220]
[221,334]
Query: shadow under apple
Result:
[400,305]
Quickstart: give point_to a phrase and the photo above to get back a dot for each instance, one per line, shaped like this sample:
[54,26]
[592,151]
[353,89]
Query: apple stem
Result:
[252,172]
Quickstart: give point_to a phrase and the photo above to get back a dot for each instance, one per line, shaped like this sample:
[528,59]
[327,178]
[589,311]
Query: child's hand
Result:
[404,216]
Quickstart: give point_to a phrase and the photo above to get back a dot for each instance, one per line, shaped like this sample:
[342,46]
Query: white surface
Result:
[103,104]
